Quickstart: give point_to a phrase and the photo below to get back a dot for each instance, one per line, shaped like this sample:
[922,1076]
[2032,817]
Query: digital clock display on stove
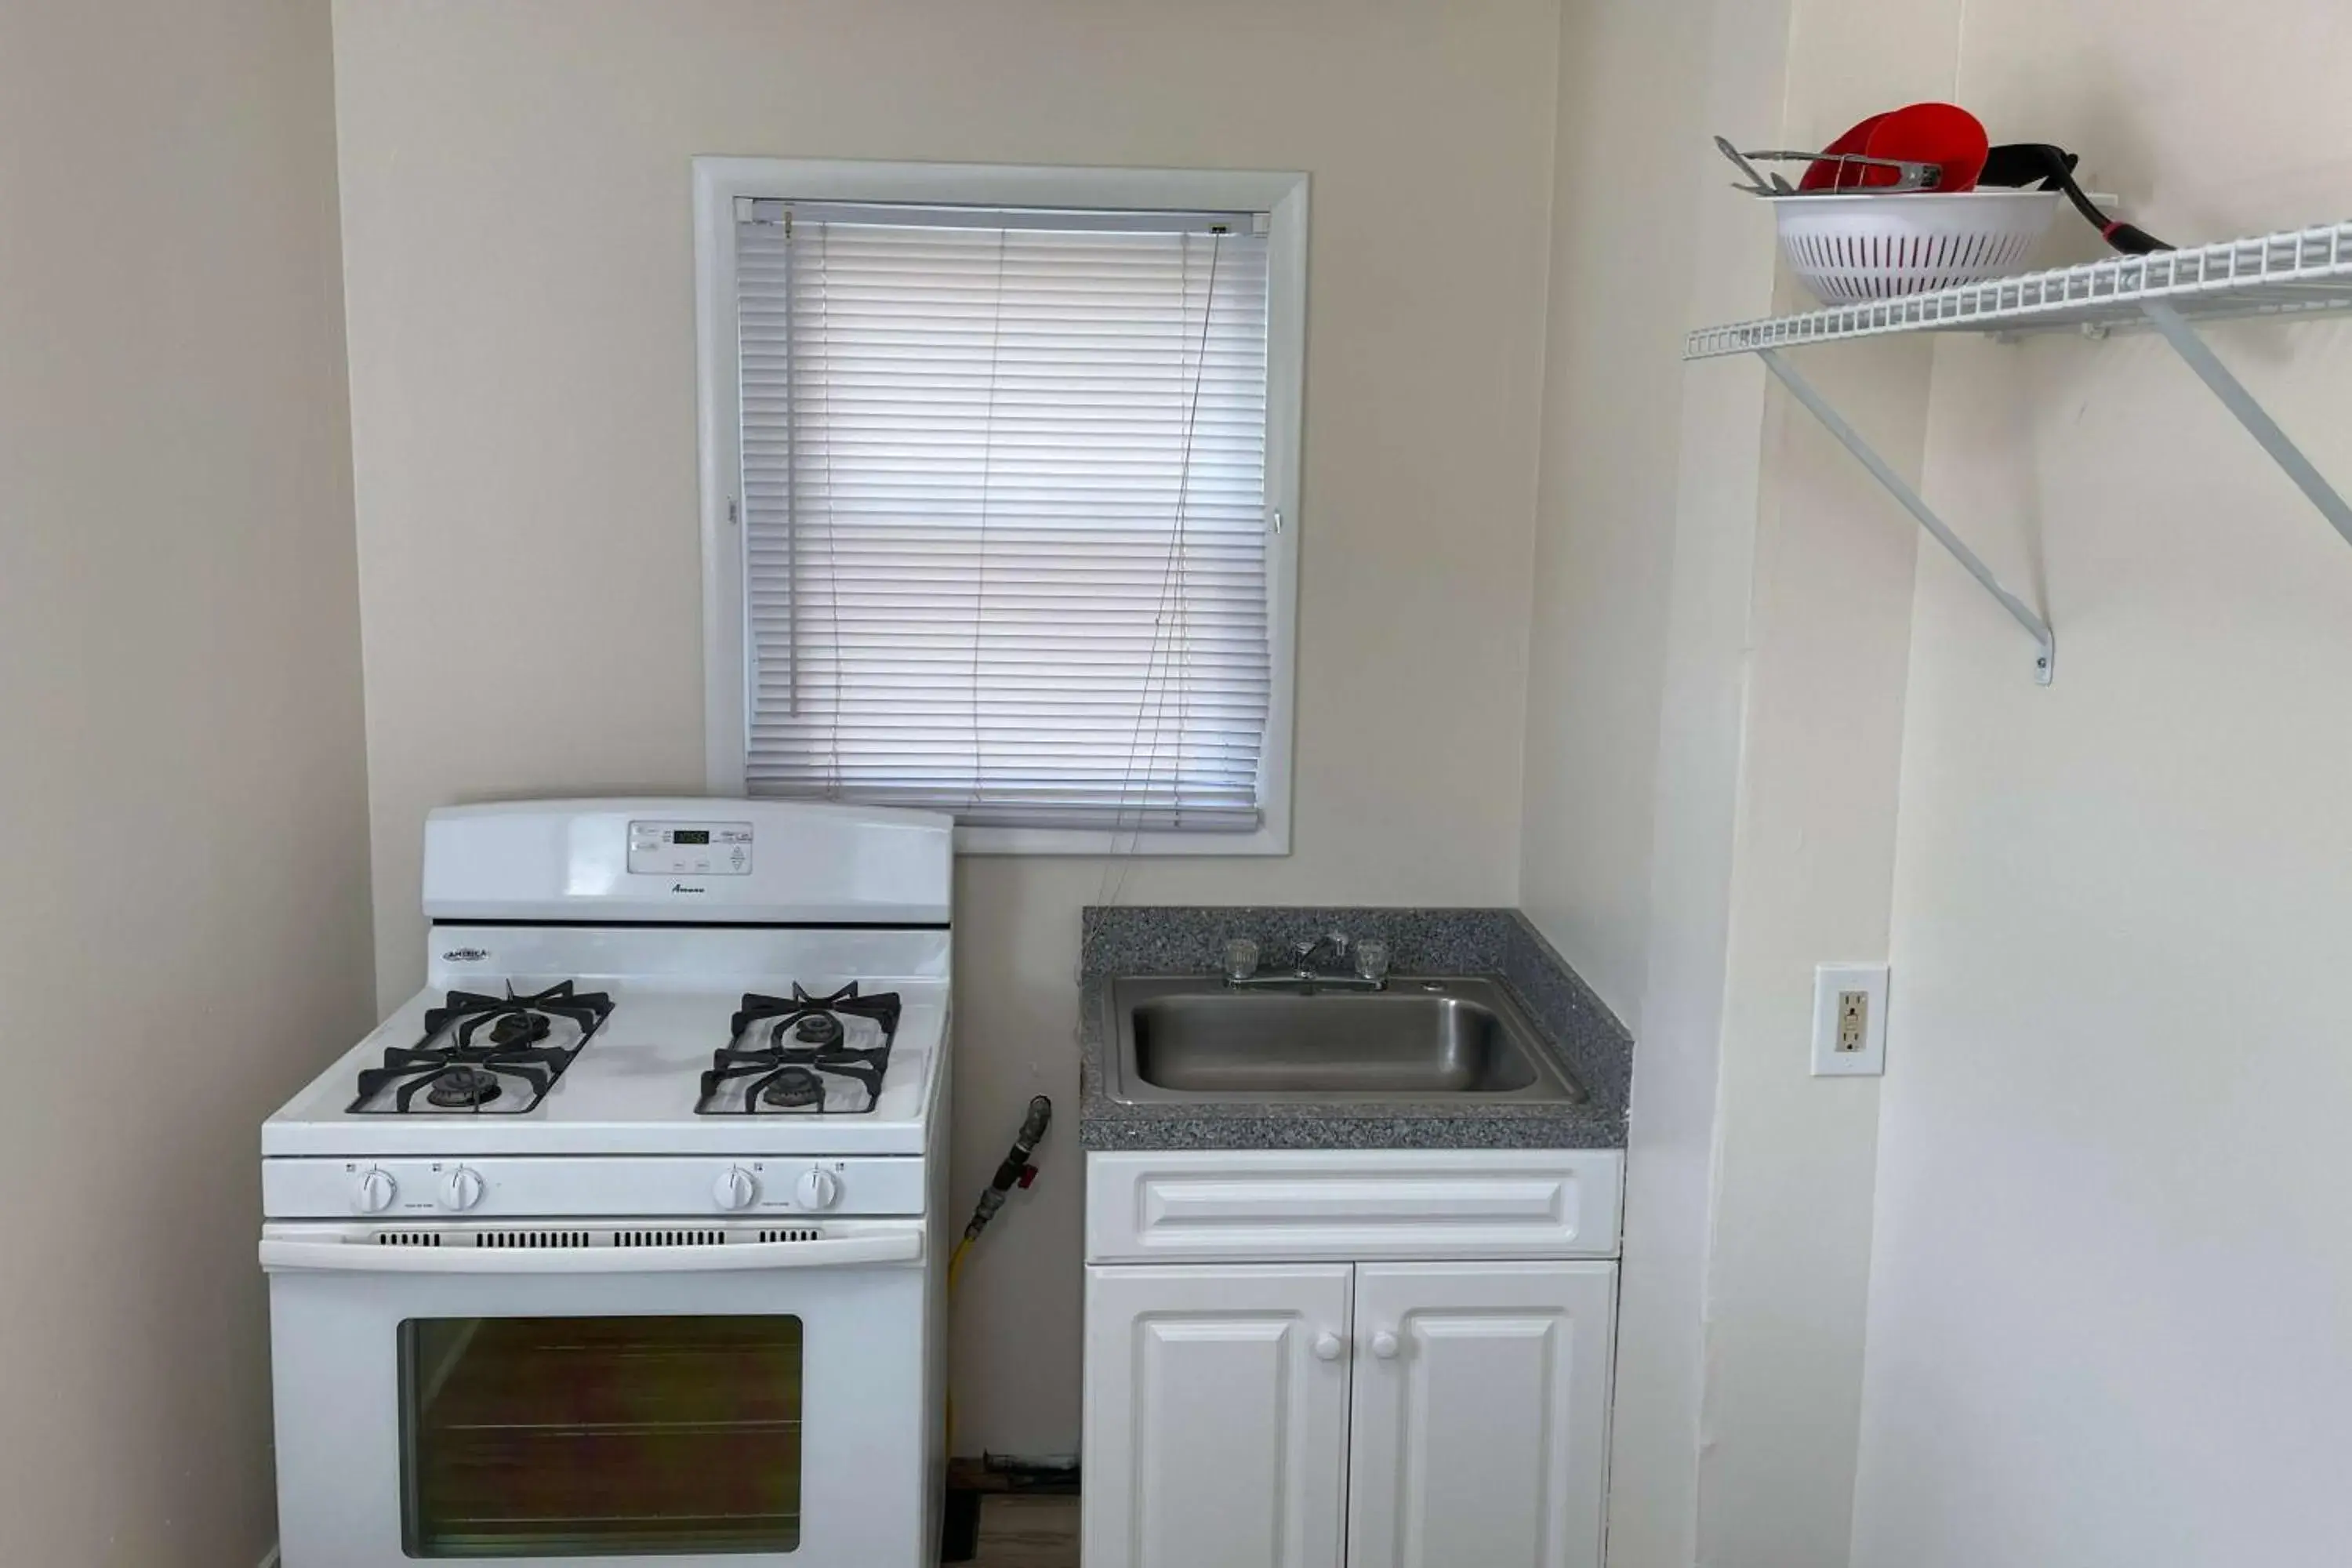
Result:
[703,849]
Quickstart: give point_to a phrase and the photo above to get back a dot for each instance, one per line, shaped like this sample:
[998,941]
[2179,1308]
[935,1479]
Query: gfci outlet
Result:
[1853,1020]
[1849,1020]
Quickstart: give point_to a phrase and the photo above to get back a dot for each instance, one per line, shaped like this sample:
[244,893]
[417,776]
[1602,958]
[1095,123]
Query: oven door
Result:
[662,1394]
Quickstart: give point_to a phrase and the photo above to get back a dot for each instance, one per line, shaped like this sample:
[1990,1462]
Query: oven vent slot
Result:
[408,1238]
[531,1238]
[669,1238]
[797,1233]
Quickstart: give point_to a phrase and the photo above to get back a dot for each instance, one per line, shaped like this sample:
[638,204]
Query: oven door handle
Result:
[279,1257]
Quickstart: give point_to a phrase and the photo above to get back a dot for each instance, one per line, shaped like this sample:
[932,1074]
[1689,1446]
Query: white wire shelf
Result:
[2290,273]
[2295,273]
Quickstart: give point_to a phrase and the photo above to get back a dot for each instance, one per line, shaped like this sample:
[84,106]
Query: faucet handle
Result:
[1304,949]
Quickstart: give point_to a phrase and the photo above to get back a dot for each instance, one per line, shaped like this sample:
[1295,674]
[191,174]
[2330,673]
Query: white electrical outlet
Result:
[1849,1020]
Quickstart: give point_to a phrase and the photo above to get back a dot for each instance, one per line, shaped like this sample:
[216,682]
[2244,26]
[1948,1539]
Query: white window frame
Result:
[719,182]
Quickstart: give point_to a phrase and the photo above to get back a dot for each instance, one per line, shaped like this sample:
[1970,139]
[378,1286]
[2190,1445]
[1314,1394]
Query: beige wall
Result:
[2113,1264]
[1716,581]
[515,199]
[183,917]
[1812,870]
[1632,88]
[1646,514]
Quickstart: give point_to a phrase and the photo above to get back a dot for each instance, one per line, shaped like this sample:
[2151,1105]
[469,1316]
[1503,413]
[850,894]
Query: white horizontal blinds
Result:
[1004,484]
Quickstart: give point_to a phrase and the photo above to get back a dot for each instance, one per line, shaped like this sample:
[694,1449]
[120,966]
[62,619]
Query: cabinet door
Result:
[1481,1413]
[1216,1416]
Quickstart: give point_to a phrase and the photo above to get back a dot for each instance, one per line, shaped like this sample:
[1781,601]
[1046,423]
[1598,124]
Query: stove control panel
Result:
[397,1189]
[691,848]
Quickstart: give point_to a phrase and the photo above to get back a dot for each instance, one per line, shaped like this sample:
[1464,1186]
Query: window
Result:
[1000,472]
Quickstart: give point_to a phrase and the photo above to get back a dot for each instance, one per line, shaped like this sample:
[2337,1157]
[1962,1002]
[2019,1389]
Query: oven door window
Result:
[585,1436]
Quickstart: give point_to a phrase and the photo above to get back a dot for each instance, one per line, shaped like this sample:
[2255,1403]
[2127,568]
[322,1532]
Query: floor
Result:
[1028,1532]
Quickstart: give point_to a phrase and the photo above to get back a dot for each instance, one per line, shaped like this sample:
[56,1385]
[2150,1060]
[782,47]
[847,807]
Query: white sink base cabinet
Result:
[1333,1377]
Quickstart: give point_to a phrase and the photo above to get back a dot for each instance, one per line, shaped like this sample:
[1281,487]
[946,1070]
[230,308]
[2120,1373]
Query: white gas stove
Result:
[620,1239]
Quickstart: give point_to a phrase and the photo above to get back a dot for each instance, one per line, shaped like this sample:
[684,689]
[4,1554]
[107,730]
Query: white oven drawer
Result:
[1298,1204]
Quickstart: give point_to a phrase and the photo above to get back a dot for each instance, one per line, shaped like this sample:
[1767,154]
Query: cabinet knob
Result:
[1384,1345]
[1328,1347]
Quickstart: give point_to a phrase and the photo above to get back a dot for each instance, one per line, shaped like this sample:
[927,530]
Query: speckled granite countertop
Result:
[1582,1034]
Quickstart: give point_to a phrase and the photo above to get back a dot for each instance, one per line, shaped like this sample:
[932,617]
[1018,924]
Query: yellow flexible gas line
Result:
[955,1267]
[1012,1170]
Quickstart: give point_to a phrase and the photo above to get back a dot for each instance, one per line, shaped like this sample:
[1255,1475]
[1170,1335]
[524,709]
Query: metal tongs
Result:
[1908,176]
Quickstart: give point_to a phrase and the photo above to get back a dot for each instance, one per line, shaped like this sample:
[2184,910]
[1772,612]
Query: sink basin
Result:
[1439,1038]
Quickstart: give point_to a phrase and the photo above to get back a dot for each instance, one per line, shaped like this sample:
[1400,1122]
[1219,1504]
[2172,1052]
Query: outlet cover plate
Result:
[1837,1053]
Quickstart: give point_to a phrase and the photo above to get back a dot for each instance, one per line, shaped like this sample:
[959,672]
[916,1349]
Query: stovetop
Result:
[657,1059]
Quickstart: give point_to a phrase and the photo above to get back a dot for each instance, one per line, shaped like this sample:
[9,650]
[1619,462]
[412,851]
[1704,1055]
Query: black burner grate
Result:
[803,1051]
[490,1046]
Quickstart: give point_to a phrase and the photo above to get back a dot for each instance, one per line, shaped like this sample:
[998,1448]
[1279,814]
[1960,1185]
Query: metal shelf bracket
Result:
[2285,276]
[2176,331]
[2045,641]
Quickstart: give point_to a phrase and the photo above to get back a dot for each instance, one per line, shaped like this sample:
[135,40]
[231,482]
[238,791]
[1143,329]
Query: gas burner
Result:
[792,1087]
[519,1028]
[476,1048]
[818,1030]
[807,1056]
[463,1089]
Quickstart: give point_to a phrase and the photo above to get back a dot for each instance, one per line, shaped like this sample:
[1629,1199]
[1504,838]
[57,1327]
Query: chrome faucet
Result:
[1302,954]
[1371,965]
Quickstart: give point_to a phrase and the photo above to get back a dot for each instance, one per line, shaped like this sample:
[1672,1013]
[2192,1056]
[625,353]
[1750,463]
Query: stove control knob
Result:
[818,1189]
[376,1191]
[461,1188]
[736,1188]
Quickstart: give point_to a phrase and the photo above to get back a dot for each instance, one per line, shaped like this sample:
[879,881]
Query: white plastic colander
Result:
[1876,245]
